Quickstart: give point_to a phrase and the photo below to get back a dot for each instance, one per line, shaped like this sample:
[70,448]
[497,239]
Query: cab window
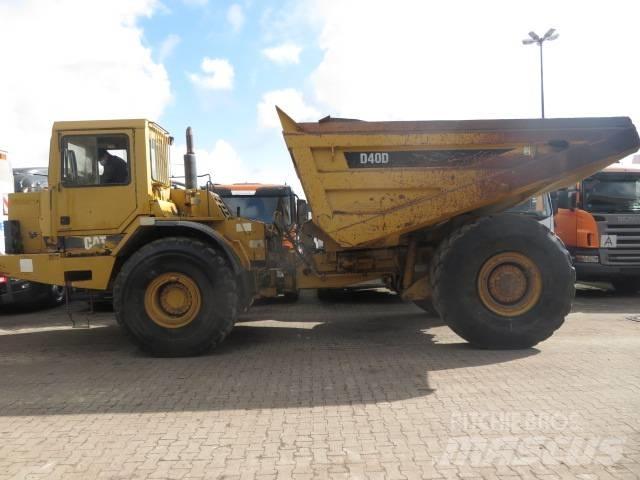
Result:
[91,160]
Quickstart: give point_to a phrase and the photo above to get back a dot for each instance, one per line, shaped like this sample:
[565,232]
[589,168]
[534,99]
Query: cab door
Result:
[89,198]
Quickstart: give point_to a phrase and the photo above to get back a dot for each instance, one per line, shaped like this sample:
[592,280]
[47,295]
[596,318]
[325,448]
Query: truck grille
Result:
[626,228]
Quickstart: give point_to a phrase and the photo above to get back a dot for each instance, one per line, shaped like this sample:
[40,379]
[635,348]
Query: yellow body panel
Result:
[246,236]
[366,181]
[51,268]
[85,227]
[28,207]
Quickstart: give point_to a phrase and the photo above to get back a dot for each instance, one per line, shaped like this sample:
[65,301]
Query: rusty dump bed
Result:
[368,180]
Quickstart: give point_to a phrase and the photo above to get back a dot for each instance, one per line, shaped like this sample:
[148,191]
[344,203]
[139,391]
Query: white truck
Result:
[12,290]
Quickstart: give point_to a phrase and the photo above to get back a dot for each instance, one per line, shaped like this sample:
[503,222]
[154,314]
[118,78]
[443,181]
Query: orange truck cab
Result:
[599,222]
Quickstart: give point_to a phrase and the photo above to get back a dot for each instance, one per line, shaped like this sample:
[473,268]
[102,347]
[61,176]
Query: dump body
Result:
[367,181]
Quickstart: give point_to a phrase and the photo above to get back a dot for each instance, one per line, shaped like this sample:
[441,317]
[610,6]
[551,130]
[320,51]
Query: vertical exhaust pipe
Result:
[190,173]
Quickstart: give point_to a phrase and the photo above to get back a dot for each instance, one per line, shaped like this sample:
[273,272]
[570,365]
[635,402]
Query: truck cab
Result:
[599,221]
[258,201]
[270,204]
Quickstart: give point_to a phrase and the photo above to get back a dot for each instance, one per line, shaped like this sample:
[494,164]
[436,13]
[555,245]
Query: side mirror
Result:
[302,211]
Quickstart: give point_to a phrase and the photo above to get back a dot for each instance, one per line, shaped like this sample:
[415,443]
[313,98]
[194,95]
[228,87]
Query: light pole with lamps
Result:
[535,38]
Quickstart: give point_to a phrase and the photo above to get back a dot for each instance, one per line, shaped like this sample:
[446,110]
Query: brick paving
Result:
[367,388]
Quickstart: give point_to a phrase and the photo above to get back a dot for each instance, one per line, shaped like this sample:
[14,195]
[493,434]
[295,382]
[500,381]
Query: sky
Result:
[222,66]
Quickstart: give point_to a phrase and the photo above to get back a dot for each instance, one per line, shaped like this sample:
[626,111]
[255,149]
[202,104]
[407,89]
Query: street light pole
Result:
[535,38]
[541,81]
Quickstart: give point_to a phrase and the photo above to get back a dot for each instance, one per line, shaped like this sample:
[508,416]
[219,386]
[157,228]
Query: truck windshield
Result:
[612,192]
[258,208]
[538,207]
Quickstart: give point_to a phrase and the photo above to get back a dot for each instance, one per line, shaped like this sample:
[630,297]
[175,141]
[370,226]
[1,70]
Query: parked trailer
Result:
[415,204]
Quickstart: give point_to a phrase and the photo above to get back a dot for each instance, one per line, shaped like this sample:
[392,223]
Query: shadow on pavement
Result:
[306,354]
[22,308]
[594,300]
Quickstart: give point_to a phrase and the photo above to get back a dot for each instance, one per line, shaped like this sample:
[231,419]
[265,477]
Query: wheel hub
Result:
[172,300]
[509,284]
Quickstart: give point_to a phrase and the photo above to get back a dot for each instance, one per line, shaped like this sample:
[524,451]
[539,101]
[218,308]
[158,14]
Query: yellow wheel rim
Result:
[172,300]
[509,284]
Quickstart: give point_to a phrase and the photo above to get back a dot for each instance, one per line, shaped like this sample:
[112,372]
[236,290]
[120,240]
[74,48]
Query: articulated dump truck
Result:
[414,204]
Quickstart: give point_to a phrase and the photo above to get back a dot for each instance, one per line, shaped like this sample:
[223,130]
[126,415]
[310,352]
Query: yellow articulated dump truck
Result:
[414,204]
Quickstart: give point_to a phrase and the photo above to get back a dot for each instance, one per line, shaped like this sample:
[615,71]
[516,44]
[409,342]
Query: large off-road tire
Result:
[626,286]
[503,281]
[176,297]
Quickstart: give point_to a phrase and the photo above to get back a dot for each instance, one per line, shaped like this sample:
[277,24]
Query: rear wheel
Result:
[504,281]
[176,297]
[627,286]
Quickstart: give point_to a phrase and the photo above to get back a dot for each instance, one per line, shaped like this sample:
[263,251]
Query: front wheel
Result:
[176,297]
[504,281]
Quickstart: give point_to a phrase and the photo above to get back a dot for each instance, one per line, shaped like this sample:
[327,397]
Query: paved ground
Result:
[364,389]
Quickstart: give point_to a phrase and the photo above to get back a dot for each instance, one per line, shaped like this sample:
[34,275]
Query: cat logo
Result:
[608,241]
[97,241]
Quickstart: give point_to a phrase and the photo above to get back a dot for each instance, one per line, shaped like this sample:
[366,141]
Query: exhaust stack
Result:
[190,173]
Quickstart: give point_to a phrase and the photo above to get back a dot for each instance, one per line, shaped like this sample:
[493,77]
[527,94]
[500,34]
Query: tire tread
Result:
[447,247]
[219,267]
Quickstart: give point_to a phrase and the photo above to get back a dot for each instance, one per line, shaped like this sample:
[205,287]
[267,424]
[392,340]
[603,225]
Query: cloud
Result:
[412,59]
[235,16]
[226,165]
[217,74]
[291,101]
[167,46]
[283,54]
[222,161]
[105,70]
[195,3]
